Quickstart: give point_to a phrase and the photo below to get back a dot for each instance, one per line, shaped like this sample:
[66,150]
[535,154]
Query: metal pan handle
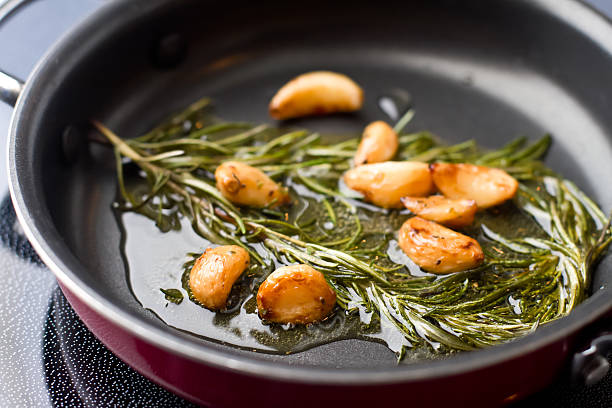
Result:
[10,87]
[590,364]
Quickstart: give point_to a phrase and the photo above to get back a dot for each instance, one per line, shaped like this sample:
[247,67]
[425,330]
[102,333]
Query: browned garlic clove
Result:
[214,273]
[316,93]
[486,185]
[295,294]
[378,144]
[384,184]
[246,185]
[438,249]
[447,211]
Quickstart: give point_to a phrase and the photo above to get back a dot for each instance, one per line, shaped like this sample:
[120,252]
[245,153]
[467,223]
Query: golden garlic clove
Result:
[438,249]
[378,144]
[486,185]
[214,273]
[316,93]
[447,211]
[295,294]
[384,184]
[246,185]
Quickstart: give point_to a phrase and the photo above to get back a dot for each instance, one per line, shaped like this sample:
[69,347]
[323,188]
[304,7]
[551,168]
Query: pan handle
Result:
[10,88]
[590,365]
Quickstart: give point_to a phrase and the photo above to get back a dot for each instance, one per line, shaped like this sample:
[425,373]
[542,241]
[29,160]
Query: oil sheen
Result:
[156,260]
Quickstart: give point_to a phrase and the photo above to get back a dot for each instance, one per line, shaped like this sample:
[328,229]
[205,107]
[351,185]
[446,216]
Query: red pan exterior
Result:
[497,385]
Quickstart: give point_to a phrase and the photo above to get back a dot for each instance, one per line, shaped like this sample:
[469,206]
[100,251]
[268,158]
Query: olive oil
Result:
[539,248]
[162,259]
[156,259]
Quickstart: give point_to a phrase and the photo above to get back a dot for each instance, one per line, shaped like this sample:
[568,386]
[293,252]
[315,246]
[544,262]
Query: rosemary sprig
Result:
[527,279]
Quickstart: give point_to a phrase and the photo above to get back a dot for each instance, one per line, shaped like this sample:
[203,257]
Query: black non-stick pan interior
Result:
[485,70]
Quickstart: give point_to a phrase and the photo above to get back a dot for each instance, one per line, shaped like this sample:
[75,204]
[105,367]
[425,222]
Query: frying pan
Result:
[488,70]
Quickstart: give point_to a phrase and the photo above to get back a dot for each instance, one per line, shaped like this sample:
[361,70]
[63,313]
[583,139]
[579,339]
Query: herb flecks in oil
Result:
[172,295]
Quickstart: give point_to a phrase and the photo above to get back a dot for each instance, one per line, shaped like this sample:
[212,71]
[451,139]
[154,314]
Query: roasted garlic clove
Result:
[215,272]
[438,249]
[316,93]
[295,294]
[447,211]
[384,184]
[486,185]
[378,144]
[245,185]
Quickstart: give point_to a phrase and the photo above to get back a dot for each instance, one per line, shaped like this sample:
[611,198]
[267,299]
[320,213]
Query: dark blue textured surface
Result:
[81,372]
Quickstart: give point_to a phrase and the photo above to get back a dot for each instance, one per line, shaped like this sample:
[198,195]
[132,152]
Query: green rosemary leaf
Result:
[403,121]
[330,211]
[173,295]
[201,144]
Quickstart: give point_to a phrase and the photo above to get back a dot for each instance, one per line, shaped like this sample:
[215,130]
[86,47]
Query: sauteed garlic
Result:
[337,240]
[378,144]
[215,272]
[438,249]
[384,184]
[295,294]
[446,211]
[316,93]
[487,186]
[246,185]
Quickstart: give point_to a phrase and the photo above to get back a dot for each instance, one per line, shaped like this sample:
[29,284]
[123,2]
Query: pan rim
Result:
[575,13]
